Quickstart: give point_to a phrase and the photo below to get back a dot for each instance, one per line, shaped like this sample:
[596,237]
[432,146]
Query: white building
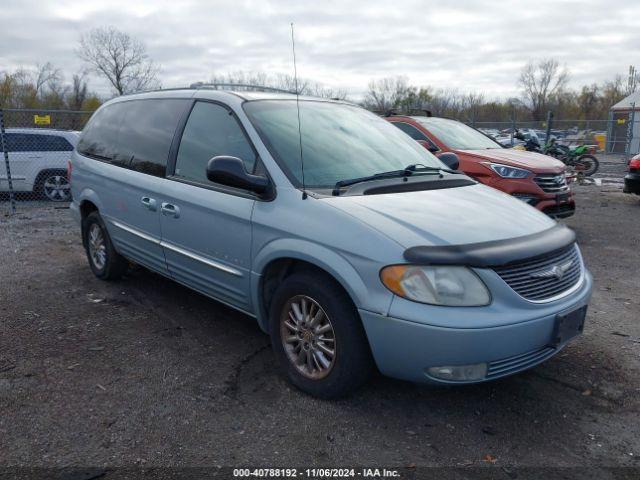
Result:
[624,119]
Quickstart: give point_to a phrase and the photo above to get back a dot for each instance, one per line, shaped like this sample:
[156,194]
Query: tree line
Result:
[542,85]
[122,60]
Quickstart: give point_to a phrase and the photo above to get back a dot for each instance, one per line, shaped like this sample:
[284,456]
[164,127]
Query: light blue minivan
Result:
[351,245]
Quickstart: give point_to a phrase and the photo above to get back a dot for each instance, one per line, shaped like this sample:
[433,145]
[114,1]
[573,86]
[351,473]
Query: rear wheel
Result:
[105,262]
[317,336]
[586,164]
[54,186]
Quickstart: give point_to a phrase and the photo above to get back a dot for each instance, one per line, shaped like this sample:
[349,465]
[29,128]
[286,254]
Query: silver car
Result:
[351,245]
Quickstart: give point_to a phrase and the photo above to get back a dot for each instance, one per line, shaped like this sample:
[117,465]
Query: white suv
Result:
[38,162]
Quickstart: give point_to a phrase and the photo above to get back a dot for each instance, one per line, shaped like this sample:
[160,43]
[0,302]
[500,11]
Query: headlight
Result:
[451,286]
[509,172]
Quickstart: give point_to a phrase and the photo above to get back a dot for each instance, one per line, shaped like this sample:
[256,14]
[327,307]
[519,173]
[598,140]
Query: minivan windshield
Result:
[338,141]
[456,135]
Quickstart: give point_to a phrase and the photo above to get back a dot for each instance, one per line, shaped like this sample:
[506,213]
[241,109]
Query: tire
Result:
[53,185]
[589,162]
[104,261]
[351,364]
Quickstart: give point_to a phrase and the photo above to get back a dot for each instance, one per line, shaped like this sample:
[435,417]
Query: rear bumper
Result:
[632,183]
[406,349]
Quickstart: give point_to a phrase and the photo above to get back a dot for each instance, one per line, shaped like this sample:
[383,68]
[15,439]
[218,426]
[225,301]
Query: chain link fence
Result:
[36,146]
[617,137]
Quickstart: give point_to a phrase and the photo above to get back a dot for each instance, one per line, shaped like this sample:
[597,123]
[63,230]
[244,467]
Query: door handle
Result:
[149,203]
[170,210]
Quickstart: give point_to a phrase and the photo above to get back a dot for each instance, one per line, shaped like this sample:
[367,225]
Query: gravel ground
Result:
[144,372]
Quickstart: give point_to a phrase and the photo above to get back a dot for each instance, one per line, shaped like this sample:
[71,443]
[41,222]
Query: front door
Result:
[206,228]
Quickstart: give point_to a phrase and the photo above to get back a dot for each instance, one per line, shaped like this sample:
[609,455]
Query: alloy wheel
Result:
[308,337]
[97,246]
[56,188]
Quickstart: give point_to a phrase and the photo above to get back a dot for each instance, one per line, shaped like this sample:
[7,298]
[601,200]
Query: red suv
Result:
[531,177]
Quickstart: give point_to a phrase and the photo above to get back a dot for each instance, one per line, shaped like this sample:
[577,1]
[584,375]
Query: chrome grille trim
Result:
[527,278]
[552,183]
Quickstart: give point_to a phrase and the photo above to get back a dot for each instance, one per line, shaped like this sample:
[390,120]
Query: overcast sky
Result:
[474,45]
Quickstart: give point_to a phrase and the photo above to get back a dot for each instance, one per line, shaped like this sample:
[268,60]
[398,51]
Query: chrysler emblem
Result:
[557,271]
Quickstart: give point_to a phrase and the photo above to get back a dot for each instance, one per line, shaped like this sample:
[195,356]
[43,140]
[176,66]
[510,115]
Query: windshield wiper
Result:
[405,172]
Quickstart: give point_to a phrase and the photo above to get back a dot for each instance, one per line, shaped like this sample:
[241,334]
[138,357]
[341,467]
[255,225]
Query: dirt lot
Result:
[144,372]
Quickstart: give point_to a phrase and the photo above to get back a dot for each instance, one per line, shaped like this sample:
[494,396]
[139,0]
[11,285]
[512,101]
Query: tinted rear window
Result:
[35,142]
[147,132]
[136,134]
[100,137]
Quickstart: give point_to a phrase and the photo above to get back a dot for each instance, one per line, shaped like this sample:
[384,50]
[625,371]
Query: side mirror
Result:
[450,159]
[230,171]
[428,146]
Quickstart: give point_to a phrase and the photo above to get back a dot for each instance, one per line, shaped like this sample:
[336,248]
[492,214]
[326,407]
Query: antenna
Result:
[295,78]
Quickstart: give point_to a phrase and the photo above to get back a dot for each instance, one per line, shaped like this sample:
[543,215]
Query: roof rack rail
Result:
[392,112]
[247,86]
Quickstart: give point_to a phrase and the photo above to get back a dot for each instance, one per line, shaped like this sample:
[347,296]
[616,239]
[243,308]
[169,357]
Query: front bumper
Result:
[632,183]
[406,349]
[528,190]
[557,210]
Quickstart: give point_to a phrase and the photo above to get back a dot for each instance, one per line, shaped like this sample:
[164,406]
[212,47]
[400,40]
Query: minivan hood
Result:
[518,158]
[451,216]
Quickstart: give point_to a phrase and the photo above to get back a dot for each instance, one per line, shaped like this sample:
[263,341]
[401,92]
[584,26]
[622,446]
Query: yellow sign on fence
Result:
[42,119]
[622,121]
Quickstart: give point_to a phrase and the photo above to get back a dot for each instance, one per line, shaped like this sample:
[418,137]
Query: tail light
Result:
[69,170]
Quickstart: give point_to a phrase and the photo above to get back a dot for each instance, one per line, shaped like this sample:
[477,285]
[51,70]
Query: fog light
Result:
[459,373]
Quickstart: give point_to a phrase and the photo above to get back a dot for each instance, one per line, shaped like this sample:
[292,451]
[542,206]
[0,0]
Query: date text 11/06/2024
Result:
[316,473]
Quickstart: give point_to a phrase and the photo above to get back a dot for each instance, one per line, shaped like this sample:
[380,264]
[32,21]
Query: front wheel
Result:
[318,337]
[587,165]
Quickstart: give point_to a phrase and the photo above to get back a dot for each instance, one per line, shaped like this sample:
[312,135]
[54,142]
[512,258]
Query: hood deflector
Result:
[493,253]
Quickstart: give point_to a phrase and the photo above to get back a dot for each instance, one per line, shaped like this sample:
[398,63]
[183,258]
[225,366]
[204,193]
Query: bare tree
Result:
[47,75]
[447,102]
[540,81]
[79,91]
[120,58]
[281,81]
[471,104]
[386,93]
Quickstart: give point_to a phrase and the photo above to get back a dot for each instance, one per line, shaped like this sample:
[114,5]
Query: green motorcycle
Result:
[579,158]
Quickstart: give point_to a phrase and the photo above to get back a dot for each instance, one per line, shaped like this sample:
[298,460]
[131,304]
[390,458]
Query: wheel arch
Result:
[284,257]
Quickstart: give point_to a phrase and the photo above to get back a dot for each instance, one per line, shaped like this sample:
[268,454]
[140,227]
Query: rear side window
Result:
[100,137]
[16,142]
[147,132]
[54,143]
[211,130]
[35,142]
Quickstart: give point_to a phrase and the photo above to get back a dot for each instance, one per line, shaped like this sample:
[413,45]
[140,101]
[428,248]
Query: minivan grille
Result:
[544,277]
[552,183]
